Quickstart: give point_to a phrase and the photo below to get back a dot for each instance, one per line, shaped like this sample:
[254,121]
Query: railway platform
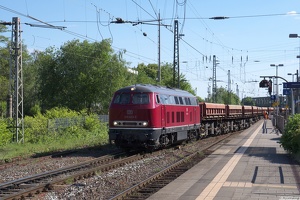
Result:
[251,165]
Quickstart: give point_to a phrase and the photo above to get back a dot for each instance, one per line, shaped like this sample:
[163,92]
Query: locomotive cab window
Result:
[187,101]
[176,100]
[158,99]
[122,98]
[140,98]
[194,101]
[171,100]
[163,99]
[180,100]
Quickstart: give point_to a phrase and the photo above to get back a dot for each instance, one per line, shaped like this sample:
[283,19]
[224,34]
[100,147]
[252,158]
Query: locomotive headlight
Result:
[115,123]
[145,123]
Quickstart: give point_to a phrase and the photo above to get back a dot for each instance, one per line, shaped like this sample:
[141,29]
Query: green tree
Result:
[4,69]
[47,80]
[248,101]
[30,86]
[3,29]
[225,97]
[29,74]
[148,75]
[80,75]
[200,99]
[234,99]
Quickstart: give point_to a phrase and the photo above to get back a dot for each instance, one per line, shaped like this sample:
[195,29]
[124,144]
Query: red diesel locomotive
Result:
[151,117]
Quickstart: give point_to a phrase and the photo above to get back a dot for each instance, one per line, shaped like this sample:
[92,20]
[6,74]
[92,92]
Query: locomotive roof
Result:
[156,89]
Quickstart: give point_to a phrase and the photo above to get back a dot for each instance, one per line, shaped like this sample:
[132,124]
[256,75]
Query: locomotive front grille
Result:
[130,124]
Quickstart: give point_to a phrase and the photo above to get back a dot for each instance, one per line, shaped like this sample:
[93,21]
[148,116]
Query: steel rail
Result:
[29,186]
[143,184]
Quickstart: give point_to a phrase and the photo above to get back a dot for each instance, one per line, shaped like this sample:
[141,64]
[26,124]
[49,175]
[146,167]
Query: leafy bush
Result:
[35,128]
[35,110]
[58,129]
[290,139]
[65,124]
[2,109]
[5,134]
[60,113]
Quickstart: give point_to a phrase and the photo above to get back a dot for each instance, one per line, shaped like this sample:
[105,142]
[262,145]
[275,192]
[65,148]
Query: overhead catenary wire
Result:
[229,49]
[47,24]
[35,19]
[214,41]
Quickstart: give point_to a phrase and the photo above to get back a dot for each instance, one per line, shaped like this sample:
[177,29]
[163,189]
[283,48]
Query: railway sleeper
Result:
[218,131]
[25,186]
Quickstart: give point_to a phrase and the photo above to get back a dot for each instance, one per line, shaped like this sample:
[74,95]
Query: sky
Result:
[254,36]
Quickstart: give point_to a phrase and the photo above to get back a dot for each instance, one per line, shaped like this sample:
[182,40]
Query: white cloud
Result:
[292,13]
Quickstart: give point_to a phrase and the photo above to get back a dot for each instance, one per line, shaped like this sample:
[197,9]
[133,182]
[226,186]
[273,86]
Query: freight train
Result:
[151,117]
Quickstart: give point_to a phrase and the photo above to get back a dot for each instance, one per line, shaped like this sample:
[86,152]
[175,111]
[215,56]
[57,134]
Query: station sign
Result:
[287,91]
[275,104]
[291,85]
[273,97]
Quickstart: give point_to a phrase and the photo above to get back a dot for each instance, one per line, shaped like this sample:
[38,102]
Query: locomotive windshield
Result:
[123,98]
[140,98]
[137,98]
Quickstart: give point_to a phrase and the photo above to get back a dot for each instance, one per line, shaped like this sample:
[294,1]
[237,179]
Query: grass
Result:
[15,150]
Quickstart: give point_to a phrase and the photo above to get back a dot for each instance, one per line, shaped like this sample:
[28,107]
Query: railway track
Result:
[154,183]
[30,186]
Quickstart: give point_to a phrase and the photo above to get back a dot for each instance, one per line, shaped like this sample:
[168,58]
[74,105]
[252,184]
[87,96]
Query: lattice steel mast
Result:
[176,56]
[16,82]
[214,80]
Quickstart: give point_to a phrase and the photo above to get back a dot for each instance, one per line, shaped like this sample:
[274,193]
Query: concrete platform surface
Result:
[251,165]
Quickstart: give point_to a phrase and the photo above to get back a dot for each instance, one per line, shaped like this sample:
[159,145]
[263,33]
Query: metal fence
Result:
[103,118]
[61,123]
[279,121]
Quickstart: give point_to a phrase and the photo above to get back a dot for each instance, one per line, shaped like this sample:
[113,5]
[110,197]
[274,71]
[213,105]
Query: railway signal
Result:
[266,84]
[270,87]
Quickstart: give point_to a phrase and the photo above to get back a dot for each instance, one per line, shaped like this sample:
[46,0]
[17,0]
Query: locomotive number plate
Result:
[129,112]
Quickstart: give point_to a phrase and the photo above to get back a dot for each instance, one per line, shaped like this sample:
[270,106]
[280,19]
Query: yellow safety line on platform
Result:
[248,185]
[215,185]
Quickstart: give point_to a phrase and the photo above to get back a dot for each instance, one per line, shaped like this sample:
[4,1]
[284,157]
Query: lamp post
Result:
[292,94]
[298,56]
[279,65]
[277,97]
[292,75]
[293,35]
[279,88]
